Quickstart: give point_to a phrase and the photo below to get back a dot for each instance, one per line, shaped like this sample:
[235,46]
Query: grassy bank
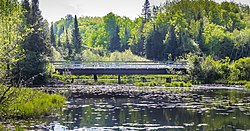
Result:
[137,80]
[24,103]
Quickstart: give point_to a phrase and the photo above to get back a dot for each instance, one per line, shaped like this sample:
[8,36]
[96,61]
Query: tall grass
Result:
[25,102]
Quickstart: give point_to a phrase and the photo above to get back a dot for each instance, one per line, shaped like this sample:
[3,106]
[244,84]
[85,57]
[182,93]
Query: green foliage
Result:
[247,85]
[52,35]
[207,70]
[177,28]
[146,11]
[76,37]
[178,84]
[127,55]
[152,83]
[25,102]
[241,69]
[10,37]
[238,82]
[112,29]
[31,68]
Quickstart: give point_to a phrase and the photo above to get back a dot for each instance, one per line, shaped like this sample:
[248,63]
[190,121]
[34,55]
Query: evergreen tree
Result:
[26,7]
[172,45]
[33,65]
[76,38]
[115,41]
[112,30]
[146,11]
[59,44]
[68,45]
[52,36]
[154,46]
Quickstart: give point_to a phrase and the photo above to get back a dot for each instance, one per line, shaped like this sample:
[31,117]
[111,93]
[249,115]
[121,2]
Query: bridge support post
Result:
[95,78]
[119,79]
[143,79]
[168,80]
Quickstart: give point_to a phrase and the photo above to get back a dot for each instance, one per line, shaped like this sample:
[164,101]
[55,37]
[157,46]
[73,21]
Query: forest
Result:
[165,32]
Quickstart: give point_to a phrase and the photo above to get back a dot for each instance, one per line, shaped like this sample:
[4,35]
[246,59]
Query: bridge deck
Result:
[118,68]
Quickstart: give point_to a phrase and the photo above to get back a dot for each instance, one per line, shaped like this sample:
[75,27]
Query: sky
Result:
[54,10]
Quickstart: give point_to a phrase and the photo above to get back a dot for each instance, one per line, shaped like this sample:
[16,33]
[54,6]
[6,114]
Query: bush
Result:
[208,70]
[241,69]
[247,85]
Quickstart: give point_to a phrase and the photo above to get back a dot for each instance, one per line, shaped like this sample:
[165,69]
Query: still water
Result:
[216,109]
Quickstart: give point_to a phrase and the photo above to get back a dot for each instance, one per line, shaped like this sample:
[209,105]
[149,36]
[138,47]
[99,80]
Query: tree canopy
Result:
[169,31]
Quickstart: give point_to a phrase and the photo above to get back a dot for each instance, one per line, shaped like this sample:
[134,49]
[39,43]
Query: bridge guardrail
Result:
[115,64]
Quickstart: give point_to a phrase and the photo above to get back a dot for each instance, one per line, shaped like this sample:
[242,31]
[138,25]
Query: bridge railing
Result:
[117,64]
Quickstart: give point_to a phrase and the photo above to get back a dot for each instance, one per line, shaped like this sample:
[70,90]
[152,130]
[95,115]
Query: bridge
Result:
[118,67]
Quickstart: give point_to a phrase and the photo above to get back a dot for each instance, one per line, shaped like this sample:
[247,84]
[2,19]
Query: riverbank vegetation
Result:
[24,52]
[24,103]
[208,70]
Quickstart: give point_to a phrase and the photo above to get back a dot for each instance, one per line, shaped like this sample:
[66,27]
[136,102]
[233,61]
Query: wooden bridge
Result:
[118,67]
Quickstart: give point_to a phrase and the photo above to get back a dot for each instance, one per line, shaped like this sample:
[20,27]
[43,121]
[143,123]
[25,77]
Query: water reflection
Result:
[209,110]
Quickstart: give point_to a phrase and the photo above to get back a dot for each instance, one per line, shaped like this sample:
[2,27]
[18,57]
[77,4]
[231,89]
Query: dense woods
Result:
[165,32]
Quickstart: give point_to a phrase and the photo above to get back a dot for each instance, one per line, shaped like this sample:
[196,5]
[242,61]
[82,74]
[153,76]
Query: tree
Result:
[115,41]
[171,43]
[154,46]
[10,49]
[112,29]
[76,37]
[146,11]
[32,67]
[26,7]
[52,36]
[68,45]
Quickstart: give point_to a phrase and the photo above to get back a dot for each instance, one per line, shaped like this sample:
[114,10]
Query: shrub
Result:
[247,85]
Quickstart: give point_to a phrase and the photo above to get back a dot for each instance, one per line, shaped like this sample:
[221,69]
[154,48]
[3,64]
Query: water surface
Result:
[213,109]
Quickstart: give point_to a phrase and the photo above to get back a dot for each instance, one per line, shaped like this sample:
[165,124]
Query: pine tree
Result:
[146,11]
[68,45]
[33,65]
[59,44]
[26,7]
[115,41]
[172,43]
[76,38]
[52,35]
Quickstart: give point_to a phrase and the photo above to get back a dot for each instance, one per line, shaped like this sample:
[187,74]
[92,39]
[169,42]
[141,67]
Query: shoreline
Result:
[130,91]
